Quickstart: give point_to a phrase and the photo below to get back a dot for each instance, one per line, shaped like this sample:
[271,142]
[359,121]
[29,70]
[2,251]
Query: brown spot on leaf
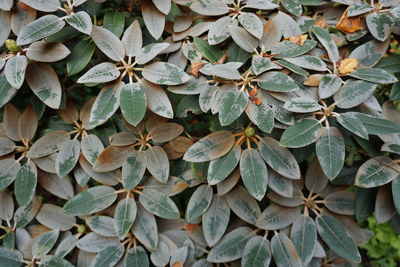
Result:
[349,24]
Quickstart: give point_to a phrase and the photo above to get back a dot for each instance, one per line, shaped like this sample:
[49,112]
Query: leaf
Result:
[379,25]
[150,51]
[279,158]
[215,220]
[124,216]
[220,168]
[80,56]
[157,163]
[227,71]
[293,6]
[284,252]
[302,105]
[91,147]
[326,40]
[25,184]
[27,124]
[15,70]
[90,201]
[276,217]
[9,168]
[108,256]
[145,228]
[58,186]
[102,225]
[261,115]
[108,43]
[198,203]
[159,204]
[233,104]
[153,19]
[161,256]
[330,150]
[107,102]
[304,238]
[25,214]
[39,29]
[257,252]
[254,173]
[243,38]
[337,238]
[375,125]
[243,205]
[101,73]
[43,5]
[369,53]
[166,132]
[53,217]
[377,172]
[43,81]
[165,74]
[340,202]
[95,243]
[329,85]
[211,53]
[280,184]
[157,99]
[261,64]
[67,157]
[44,243]
[112,158]
[10,257]
[133,169]
[288,49]
[277,82]
[80,21]
[210,7]
[114,22]
[218,32]
[132,39]
[211,147]
[136,257]
[163,6]
[351,122]
[374,75]
[301,134]
[7,92]
[308,62]
[231,246]
[252,24]
[43,51]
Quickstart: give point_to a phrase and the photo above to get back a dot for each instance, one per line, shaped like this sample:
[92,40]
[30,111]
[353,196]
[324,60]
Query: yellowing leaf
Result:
[348,65]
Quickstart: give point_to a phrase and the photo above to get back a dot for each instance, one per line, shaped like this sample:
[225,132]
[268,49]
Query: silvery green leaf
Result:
[304,238]
[374,75]
[261,115]
[133,103]
[80,21]
[101,73]
[329,85]
[243,204]
[90,201]
[145,228]
[261,64]
[53,217]
[191,53]
[302,105]
[215,220]
[108,256]
[308,62]
[220,168]
[108,43]
[25,183]
[212,53]
[102,225]
[260,4]
[287,25]
[326,40]
[95,243]
[157,99]
[91,147]
[5,19]
[161,256]
[375,125]
[198,203]
[179,256]
[279,158]
[227,71]
[210,7]
[10,257]
[66,246]
[231,246]
[284,252]
[287,49]
[353,93]
[124,216]
[67,157]
[379,25]
[136,257]
[251,23]
[80,56]
[7,92]
[194,86]
[301,134]
[219,30]
[133,169]
[280,184]
[6,205]
[15,70]
[376,172]
[153,19]
[132,39]
[358,9]
[233,104]
[340,202]
[351,122]
[158,163]
[276,217]
[9,169]
[257,252]
[293,6]
[277,82]
[43,5]
[243,38]
[43,51]
[159,204]
[39,29]
[25,214]
[165,73]
[53,261]
[44,243]
[150,51]
[369,53]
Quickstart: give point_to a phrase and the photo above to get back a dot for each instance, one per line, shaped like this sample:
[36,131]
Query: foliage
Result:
[197,132]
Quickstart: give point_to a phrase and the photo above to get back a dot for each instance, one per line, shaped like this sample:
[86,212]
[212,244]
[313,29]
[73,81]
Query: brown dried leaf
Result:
[195,68]
[313,80]
[299,39]
[349,24]
[181,144]
[348,65]
[112,158]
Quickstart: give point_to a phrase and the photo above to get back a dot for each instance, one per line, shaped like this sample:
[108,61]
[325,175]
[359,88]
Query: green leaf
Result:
[376,172]
[10,257]
[353,93]
[159,204]
[302,105]
[67,157]
[114,22]
[351,122]
[243,204]
[233,104]
[136,257]
[39,29]
[340,202]
[260,4]
[390,64]
[133,169]
[102,225]
[380,25]
[101,73]
[54,261]
[25,214]
[329,85]
[210,7]
[198,203]
[301,134]
[231,246]
[215,220]
[42,244]
[251,23]
[90,201]
[150,51]
[124,216]
[243,38]
[308,62]
[108,256]
[337,238]
[158,163]
[304,238]
[396,193]
[91,147]
[211,147]
[43,5]
[165,74]
[330,150]
[80,56]
[25,183]
[287,49]
[374,75]
[145,228]
[261,64]
[80,21]
[293,6]
[276,217]
[211,53]
[220,168]
[257,252]
[293,68]
[327,41]
[375,125]
[284,252]
[108,43]
[369,53]
[15,70]
[9,169]
[277,82]
[279,158]
[107,102]
[364,203]
[7,92]
[133,103]
[161,256]
[254,173]
[261,115]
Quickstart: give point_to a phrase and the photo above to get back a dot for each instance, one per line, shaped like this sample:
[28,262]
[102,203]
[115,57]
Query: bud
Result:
[250,131]
[81,229]
[12,46]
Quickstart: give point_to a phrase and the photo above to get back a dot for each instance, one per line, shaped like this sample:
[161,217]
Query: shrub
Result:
[197,132]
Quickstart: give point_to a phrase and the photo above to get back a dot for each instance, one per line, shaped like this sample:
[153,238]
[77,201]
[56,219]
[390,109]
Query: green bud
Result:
[81,229]
[12,46]
[250,131]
